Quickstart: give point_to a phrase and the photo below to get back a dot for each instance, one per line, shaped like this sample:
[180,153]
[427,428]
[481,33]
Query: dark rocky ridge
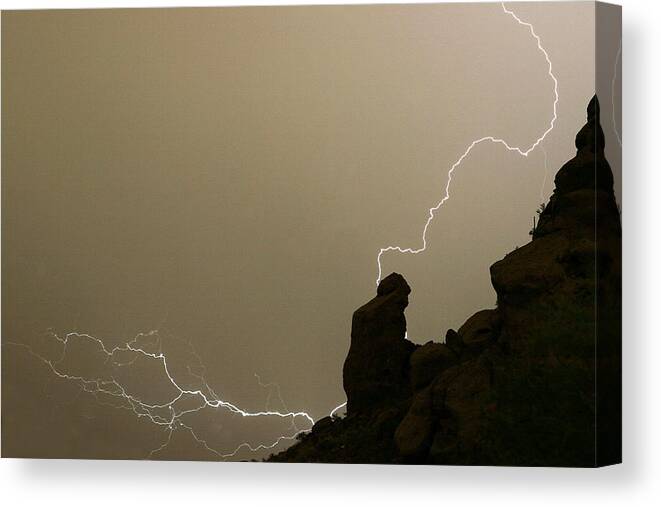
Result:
[526,383]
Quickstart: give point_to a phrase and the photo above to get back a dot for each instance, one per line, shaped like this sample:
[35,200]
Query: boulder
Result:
[414,434]
[453,340]
[480,330]
[429,361]
[322,424]
[458,398]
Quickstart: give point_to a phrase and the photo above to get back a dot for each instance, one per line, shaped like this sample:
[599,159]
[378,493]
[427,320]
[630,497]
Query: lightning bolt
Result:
[486,139]
[337,409]
[165,414]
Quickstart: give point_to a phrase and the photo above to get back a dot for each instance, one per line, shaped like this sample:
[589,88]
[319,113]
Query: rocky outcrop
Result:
[415,433]
[480,331]
[589,169]
[428,361]
[525,383]
[377,367]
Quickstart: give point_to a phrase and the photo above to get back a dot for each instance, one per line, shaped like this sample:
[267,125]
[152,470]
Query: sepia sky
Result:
[230,174]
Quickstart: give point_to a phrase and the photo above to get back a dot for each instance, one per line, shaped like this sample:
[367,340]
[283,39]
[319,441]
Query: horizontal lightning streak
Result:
[205,395]
[490,139]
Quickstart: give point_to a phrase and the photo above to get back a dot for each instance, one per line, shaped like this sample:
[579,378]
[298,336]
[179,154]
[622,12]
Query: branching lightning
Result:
[165,414]
[490,139]
[169,415]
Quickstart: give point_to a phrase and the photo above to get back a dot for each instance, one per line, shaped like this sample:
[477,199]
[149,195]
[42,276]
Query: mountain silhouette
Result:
[535,381]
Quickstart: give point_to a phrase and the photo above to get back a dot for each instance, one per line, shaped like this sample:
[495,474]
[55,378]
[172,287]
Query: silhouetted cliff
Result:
[535,381]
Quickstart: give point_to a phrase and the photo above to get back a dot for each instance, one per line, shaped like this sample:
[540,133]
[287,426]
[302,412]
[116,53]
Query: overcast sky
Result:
[230,174]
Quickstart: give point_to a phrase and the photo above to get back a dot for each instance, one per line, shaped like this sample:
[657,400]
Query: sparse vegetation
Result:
[535,220]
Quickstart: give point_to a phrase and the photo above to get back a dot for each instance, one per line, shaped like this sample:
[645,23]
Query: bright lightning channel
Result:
[164,414]
[491,139]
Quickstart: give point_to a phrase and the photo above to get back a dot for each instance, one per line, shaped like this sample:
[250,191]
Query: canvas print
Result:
[383,234]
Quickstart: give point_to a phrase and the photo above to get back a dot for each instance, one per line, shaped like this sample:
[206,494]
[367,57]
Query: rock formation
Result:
[535,381]
[376,368]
